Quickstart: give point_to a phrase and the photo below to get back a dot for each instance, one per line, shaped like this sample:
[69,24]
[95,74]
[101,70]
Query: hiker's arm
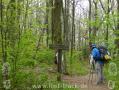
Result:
[94,54]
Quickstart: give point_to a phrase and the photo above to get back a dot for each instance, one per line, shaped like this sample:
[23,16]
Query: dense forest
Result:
[45,44]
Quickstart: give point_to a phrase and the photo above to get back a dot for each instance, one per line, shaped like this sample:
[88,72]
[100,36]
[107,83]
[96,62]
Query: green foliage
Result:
[27,78]
[27,63]
[23,79]
[78,66]
[85,53]
[46,56]
[76,55]
[113,77]
[42,78]
[0,74]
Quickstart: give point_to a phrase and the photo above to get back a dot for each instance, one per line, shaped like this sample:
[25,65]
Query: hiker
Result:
[99,64]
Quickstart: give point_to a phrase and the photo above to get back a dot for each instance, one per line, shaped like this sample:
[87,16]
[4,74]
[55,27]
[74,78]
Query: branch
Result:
[112,5]
[102,6]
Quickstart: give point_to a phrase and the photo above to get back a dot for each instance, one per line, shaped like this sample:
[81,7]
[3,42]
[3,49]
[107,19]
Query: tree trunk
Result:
[107,28]
[58,31]
[73,24]
[52,19]
[90,39]
[66,30]
[46,22]
[95,18]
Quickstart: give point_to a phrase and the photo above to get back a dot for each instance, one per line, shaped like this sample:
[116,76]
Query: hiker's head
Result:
[92,46]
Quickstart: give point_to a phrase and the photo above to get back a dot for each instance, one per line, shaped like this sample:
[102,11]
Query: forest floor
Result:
[84,83]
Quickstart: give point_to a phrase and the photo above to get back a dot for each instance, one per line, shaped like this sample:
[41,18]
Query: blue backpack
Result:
[105,56]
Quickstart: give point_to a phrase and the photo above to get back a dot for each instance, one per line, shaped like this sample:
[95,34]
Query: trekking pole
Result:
[90,75]
[89,78]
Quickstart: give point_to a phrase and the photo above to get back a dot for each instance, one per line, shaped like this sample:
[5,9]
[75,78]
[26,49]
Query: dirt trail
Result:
[84,83]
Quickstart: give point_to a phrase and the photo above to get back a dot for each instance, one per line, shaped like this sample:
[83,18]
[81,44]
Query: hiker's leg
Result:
[98,71]
[93,66]
[102,74]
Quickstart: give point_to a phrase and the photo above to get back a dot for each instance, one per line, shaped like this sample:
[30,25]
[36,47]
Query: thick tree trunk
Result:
[66,30]
[57,31]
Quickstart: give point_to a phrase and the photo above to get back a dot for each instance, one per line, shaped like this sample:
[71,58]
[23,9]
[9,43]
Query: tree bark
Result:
[46,22]
[58,31]
[107,29]
[90,39]
[95,18]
